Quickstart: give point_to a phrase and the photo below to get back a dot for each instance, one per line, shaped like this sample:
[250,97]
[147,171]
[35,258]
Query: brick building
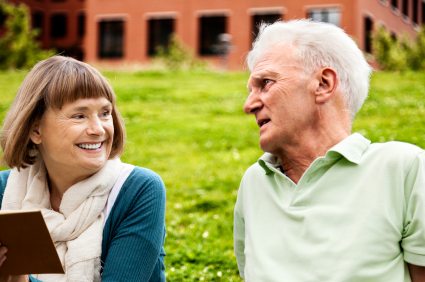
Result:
[111,31]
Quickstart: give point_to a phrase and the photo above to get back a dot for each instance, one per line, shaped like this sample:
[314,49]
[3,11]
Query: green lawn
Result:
[189,127]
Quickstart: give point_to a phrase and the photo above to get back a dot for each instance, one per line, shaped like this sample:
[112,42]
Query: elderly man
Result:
[323,204]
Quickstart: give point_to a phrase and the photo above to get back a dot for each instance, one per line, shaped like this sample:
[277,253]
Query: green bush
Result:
[18,45]
[417,57]
[177,56]
[399,53]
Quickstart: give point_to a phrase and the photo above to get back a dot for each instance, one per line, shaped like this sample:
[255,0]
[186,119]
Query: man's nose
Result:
[252,103]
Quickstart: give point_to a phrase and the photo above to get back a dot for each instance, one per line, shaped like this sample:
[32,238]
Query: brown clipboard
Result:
[30,247]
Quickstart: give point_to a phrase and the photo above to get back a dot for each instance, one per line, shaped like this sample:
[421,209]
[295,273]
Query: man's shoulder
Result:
[254,169]
[254,173]
[395,155]
[396,149]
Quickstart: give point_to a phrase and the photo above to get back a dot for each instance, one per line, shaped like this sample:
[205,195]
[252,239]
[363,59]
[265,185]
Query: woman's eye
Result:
[78,116]
[106,113]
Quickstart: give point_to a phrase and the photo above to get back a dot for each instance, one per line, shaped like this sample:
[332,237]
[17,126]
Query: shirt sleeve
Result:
[135,252]
[33,279]
[413,237]
[239,233]
[4,175]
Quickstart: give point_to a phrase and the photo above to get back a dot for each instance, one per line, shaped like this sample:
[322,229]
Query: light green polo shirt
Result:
[357,214]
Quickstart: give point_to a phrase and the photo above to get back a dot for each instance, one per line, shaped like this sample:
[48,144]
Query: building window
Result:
[394,4]
[3,18]
[211,27]
[327,15]
[423,12]
[259,19]
[159,34]
[405,8]
[415,11]
[58,25]
[81,24]
[111,39]
[37,22]
[368,29]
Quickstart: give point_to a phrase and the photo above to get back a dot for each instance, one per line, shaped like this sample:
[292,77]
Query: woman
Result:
[62,138]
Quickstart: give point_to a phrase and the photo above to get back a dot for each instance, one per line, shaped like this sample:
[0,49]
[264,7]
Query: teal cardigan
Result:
[133,235]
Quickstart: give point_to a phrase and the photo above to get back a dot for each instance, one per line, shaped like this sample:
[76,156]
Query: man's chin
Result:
[265,146]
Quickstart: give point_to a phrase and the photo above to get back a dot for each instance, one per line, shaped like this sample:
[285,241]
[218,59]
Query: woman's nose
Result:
[95,127]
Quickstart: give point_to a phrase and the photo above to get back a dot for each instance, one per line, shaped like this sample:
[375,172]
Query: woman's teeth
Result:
[90,146]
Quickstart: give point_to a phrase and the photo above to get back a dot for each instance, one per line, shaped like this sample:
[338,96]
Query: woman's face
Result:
[76,140]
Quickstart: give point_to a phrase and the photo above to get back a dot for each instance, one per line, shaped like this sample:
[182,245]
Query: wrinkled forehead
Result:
[276,61]
[278,56]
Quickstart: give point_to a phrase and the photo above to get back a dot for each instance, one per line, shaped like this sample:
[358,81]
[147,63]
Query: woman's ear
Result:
[35,134]
[327,85]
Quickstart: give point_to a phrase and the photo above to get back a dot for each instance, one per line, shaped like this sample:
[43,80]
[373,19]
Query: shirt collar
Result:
[351,148]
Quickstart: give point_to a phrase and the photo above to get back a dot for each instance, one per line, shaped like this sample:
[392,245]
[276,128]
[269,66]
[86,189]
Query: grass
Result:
[189,127]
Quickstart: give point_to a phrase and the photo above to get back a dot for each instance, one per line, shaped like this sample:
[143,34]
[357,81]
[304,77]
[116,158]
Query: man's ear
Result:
[35,134]
[327,85]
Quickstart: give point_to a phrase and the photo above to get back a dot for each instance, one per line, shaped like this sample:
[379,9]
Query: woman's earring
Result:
[33,153]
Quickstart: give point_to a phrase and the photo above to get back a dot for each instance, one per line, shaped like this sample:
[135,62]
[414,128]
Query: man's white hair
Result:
[319,45]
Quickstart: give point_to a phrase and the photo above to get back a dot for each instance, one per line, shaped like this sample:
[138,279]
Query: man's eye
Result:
[266,83]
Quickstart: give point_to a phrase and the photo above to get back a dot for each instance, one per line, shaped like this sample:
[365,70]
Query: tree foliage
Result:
[400,53]
[18,45]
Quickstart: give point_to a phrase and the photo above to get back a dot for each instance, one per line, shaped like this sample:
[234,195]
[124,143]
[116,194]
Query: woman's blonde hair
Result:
[50,84]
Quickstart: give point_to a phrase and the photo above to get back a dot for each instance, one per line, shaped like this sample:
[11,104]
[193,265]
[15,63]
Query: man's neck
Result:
[296,156]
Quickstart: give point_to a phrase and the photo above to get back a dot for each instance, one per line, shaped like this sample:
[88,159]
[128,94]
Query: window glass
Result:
[327,15]
[111,39]
[257,20]
[210,29]
[58,25]
[159,34]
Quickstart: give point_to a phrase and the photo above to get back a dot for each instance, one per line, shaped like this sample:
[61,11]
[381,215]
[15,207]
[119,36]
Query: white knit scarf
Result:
[77,228]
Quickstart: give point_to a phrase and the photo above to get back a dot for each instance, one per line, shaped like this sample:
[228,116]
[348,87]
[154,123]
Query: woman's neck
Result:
[58,185]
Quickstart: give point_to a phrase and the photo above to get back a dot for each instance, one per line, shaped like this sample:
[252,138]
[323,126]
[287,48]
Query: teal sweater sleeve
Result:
[4,175]
[133,236]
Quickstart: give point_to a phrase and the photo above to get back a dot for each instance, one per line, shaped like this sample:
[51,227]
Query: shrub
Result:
[177,56]
[18,45]
[399,53]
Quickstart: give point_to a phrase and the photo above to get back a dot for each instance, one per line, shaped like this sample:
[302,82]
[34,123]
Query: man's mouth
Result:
[262,122]
[90,146]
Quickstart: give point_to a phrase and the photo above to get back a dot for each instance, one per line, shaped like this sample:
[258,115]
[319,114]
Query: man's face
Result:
[281,96]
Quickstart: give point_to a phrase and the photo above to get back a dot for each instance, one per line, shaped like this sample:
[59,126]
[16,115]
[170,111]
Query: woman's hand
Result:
[9,278]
